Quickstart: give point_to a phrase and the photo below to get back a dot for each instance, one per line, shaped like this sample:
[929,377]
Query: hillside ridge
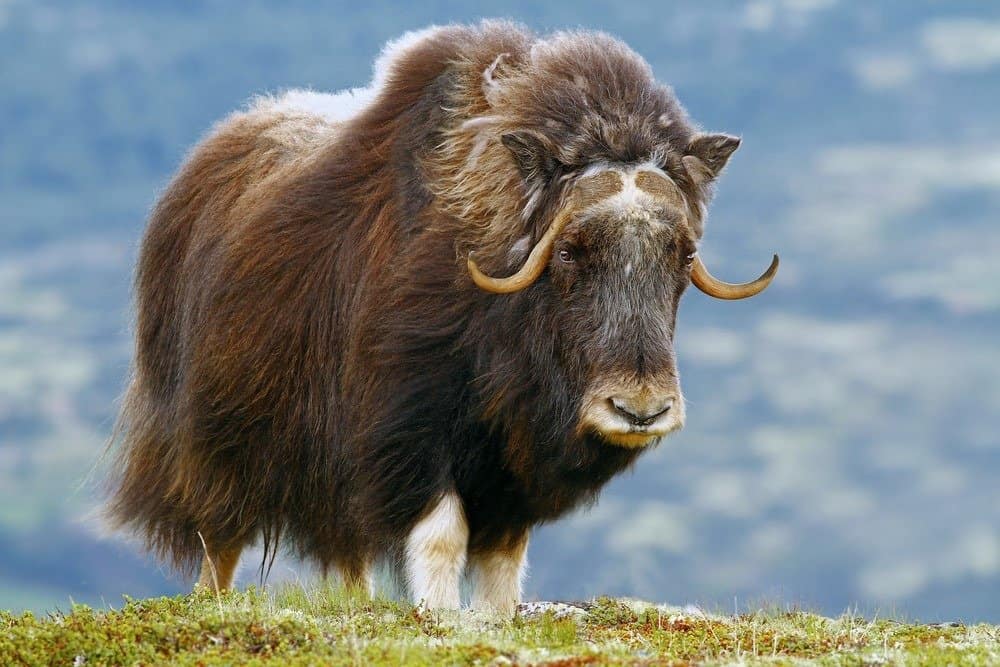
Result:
[297,625]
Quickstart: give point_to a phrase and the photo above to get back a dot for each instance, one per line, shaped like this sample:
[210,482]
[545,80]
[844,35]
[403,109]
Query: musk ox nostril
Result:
[641,412]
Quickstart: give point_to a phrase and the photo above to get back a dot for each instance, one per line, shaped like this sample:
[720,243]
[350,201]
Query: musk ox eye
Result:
[566,255]
[689,259]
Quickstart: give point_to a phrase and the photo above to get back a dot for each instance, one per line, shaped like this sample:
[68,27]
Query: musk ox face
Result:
[619,249]
[618,269]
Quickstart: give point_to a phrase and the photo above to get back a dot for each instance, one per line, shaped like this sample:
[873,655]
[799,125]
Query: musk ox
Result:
[323,358]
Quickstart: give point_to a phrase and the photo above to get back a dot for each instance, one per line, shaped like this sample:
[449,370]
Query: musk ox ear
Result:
[707,154]
[533,159]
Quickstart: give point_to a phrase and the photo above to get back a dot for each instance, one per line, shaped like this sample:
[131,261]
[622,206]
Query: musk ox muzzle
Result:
[632,414]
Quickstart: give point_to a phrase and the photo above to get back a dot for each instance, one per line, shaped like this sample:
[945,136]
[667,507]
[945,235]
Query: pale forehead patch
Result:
[594,189]
[628,191]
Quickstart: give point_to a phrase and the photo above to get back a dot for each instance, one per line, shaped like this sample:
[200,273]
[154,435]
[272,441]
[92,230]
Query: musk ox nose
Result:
[641,410]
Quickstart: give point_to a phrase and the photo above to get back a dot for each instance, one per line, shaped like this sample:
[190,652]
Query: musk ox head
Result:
[612,184]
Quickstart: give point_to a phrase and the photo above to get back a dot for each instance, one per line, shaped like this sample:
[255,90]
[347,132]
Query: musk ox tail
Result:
[172,503]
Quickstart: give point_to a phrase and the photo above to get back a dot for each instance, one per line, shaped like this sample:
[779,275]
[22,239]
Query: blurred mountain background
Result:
[843,438]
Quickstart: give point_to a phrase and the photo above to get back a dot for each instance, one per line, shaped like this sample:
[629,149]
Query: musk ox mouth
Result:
[636,437]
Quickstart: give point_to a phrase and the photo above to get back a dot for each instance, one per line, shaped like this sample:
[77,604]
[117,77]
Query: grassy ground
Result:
[310,626]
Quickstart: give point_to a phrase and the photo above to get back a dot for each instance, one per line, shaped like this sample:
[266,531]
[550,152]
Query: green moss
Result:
[326,625]
[608,612]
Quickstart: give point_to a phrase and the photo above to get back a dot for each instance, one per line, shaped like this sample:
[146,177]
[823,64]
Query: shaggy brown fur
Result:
[313,361]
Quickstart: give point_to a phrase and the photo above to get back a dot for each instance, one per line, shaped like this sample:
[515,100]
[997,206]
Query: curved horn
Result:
[532,267]
[712,286]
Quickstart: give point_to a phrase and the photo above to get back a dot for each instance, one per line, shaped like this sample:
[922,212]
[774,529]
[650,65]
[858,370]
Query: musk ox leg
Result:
[218,567]
[358,578]
[435,554]
[497,577]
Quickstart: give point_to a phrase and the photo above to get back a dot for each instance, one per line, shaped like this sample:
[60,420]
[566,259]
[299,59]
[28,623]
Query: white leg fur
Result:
[497,577]
[435,555]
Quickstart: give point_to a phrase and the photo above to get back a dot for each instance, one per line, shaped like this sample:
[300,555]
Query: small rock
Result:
[557,609]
